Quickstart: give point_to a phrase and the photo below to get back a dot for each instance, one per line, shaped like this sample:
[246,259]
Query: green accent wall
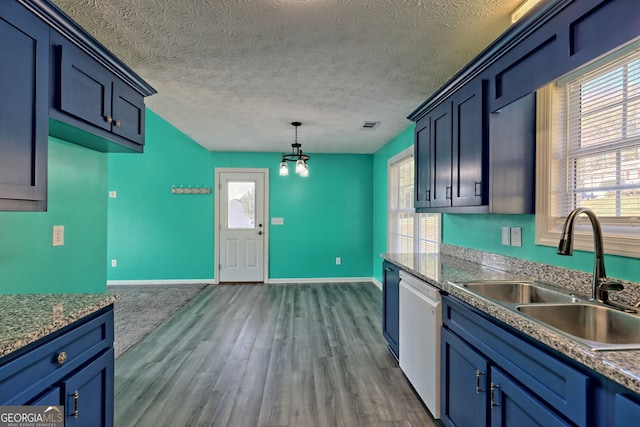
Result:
[380,192]
[153,234]
[77,186]
[156,235]
[482,232]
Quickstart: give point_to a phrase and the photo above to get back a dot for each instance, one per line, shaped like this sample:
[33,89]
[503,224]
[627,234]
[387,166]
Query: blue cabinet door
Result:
[24,83]
[441,138]
[626,411]
[391,306]
[463,384]
[422,153]
[128,113]
[470,138]
[512,405]
[89,394]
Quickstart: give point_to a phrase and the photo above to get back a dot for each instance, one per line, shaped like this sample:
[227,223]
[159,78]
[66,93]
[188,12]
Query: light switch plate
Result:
[516,236]
[58,235]
[277,221]
[506,236]
[113,194]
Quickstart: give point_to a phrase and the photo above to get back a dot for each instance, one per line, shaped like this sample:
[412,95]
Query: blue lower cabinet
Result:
[494,376]
[89,394]
[463,384]
[391,306]
[512,405]
[73,367]
[626,411]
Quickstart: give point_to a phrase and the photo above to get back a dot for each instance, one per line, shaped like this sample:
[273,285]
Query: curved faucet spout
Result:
[600,284]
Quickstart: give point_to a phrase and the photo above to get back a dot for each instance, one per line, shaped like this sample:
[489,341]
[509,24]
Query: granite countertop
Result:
[27,318]
[443,271]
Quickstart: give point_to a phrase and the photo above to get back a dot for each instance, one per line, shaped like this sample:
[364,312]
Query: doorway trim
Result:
[217,225]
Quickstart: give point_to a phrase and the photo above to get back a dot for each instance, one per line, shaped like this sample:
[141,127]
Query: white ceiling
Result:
[233,74]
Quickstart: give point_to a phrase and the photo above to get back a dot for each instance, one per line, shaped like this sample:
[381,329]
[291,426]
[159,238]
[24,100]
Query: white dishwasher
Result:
[420,321]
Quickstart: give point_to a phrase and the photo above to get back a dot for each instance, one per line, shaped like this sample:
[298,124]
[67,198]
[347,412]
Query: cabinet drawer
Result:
[558,384]
[26,376]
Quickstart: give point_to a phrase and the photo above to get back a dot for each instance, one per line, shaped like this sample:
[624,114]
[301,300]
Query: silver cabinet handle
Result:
[493,400]
[478,374]
[75,395]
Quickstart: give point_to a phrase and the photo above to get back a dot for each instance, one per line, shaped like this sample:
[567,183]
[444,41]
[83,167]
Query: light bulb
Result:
[284,169]
[299,166]
[305,171]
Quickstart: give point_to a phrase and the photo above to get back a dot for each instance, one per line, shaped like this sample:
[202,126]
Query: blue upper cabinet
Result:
[460,139]
[90,104]
[451,152]
[24,80]
[57,80]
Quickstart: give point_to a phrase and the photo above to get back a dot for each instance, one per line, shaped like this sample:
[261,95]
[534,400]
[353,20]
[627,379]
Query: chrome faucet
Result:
[600,286]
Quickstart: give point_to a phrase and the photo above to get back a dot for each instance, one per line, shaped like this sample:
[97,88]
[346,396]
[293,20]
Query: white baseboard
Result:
[271,280]
[162,282]
[322,280]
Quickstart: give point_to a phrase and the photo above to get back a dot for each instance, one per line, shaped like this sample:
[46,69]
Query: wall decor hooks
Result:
[190,190]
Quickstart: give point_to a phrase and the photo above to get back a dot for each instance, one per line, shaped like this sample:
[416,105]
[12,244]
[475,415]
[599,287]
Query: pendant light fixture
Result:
[296,156]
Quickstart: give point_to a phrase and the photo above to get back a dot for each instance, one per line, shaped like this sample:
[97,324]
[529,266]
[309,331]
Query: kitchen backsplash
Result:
[574,280]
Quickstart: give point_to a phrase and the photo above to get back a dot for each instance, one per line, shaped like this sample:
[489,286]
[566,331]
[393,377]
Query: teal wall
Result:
[482,232]
[76,199]
[380,190]
[155,235]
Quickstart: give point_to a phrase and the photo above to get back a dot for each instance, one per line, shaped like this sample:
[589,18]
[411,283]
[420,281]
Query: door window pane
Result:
[241,204]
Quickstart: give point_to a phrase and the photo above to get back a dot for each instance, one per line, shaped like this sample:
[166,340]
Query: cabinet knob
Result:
[108,119]
[62,357]
[118,123]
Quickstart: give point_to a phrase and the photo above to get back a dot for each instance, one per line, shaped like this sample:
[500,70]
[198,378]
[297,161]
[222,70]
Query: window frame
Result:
[391,231]
[621,236]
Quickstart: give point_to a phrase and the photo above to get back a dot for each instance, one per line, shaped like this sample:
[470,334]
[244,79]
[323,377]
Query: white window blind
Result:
[602,141]
[408,232]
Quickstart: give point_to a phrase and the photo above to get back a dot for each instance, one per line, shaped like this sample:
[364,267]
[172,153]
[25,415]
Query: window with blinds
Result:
[408,232]
[602,140]
[588,152]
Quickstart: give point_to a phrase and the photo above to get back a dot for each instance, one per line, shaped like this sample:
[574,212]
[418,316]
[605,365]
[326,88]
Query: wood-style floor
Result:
[268,355]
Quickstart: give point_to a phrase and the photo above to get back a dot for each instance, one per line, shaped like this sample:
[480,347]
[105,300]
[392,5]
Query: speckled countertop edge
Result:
[27,318]
[443,271]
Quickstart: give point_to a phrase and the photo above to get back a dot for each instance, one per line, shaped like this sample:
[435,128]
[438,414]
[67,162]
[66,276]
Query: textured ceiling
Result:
[233,74]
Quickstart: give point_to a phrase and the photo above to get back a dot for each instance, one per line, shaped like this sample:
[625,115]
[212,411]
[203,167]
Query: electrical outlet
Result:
[113,194]
[338,260]
[506,236]
[516,236]
[58,235]
[114,263]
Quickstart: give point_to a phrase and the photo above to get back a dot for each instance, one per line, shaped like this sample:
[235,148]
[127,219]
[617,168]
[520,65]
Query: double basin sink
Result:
[592,324]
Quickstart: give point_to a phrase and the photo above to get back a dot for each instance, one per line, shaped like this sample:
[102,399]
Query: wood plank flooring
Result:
[268,355]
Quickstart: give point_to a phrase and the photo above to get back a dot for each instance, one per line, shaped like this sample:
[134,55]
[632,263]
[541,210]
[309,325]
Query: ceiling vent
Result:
[370,125]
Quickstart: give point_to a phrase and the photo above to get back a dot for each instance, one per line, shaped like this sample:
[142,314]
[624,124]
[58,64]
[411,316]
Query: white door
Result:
[241,227]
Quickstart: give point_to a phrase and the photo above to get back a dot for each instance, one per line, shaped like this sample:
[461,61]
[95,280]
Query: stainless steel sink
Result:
[599,327]
[518,292]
